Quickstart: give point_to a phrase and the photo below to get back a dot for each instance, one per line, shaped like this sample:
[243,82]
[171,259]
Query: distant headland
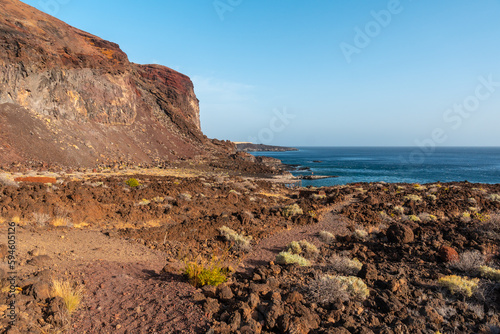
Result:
[251,147]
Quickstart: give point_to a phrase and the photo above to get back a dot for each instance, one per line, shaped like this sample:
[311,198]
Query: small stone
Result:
[209,291]
[198,297]
[294,297]
[225,293]
[448,254]
[368,272]
[211,306]
[253,300]
[35,252]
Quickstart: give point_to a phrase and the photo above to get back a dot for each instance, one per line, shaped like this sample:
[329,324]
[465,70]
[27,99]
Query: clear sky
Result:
[324,73]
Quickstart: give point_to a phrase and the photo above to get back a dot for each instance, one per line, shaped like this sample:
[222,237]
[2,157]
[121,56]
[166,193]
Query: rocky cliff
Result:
[72,98]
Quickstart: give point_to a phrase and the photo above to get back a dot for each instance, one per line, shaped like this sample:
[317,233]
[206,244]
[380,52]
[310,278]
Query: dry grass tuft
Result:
[71,294]
[332,289]
[469,262]
[344,265]
[40,219]
[326,237]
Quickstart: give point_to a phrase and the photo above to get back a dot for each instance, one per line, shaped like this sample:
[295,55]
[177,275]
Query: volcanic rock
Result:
[69,97]
[398,233]
[448,254]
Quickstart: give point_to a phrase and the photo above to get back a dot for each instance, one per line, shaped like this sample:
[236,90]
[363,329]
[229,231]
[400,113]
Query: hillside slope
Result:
[68,97]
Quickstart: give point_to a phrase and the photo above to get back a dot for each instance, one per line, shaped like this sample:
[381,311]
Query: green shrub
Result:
[399,209]
[308,248]
[413,198]
[459,284]
[494,197]
[414,218]
[241,242]
[294,247]
[289,258]
[132,183]
[201,273]
[490,273]
[292,210]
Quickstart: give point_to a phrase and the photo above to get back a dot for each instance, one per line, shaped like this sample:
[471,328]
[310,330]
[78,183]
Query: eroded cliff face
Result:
[83,99]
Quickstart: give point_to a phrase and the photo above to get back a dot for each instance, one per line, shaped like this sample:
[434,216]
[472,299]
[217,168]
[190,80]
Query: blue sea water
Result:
[394,164]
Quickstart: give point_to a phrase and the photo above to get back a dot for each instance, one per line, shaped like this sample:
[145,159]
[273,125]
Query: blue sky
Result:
[324,73]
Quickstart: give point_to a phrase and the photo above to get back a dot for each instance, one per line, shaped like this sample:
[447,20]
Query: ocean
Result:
[393,164]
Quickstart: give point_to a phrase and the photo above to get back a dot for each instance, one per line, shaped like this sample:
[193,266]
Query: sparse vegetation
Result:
[427,217]
[469,262]
[144,202]
[294,247]
[318,196]
[490,273]
[465,217]
[240,242]
[494,197]
[201,272]
[72,294]
[459,284]
[344,265]
[432,197]
[308,249]
[413,198]
[5,180]
[491,227]
[399,209]
[40,219]
[419,187]
[185,197]
[290,258]
[326,237]
[330,289]
[132,183]
[414,218]
[360,234]
[291,210]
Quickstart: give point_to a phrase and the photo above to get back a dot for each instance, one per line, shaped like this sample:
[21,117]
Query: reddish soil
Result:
[36,179]
[126,246]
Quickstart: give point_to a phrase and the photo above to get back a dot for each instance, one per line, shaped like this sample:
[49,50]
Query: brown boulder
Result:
[398,233]
[448,254]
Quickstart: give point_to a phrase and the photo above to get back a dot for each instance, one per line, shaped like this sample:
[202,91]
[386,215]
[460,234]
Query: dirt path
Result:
[266,250]
[124,291]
